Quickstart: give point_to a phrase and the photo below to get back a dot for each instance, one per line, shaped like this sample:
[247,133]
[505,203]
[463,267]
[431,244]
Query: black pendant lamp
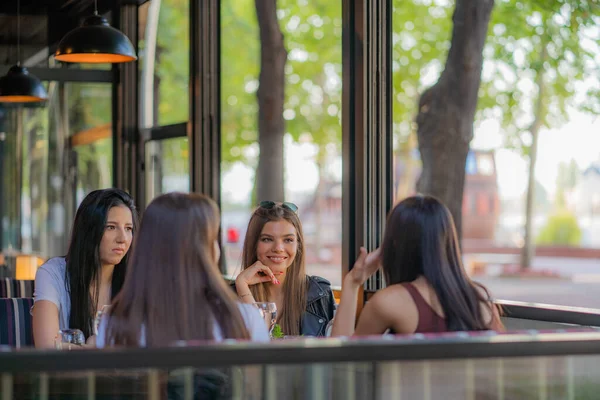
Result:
[95,41]
[18,85]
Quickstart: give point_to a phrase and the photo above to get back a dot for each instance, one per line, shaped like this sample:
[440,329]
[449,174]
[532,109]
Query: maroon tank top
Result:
[429,321]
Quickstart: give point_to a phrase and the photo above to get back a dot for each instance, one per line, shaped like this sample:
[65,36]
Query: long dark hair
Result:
[420,240]
[83,257]
[295,284]
[173,287]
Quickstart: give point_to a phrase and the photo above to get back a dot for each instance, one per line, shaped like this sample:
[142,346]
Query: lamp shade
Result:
[95,41]
[27,266]
[19,86]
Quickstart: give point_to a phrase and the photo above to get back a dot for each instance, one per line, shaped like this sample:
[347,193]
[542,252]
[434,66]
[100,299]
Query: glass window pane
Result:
[564,228]
[32,188]
[89,106]
[90,131]
[164,62]
[168,168]
[94,167]
[311,144]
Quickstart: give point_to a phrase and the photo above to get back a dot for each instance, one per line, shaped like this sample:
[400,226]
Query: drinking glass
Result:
[99,314]
[329,327]
[268,311]
[68,339]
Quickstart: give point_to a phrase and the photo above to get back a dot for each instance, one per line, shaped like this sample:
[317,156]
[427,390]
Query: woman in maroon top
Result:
[428,289]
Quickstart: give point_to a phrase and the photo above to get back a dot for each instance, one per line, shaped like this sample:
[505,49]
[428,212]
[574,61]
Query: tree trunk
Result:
[406,185]
[528,246]
[270,94]
[447,109]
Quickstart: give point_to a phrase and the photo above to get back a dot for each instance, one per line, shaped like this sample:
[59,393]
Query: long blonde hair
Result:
[295,284]
[173,287]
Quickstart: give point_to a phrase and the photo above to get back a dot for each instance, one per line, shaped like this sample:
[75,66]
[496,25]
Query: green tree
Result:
[541,52]
[421,39]
[312,103]
[447,109]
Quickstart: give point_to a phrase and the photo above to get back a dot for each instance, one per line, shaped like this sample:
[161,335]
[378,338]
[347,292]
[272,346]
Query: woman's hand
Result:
[257,273]
[252,275]
[366,265]
[90,342]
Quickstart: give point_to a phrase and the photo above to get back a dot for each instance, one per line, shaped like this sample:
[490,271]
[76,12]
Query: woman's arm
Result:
[46,307]
[345,317]
[45,324]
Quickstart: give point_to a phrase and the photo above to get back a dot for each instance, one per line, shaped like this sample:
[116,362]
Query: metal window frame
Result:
[204,131]
[164,132]
[366,127]
[128,149]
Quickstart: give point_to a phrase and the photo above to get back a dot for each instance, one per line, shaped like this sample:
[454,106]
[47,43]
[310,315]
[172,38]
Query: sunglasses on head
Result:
[267,204]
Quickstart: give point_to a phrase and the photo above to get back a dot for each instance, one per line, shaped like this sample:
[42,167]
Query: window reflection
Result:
[53,156]
[168,167]
[94,167]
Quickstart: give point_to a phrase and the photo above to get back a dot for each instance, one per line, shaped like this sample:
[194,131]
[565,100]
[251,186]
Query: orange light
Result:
[27,266]
[21,99]
[94,58]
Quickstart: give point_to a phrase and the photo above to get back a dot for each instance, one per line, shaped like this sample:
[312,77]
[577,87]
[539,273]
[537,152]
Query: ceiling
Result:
[43,24]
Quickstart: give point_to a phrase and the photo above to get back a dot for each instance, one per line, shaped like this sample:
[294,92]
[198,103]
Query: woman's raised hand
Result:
[366,265]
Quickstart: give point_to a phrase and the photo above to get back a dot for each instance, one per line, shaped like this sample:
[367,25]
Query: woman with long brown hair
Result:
[273,270]
[428,289]
[173,289]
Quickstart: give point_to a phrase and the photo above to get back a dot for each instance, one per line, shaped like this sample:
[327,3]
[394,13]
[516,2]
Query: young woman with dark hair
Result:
[69,290]
[427,289]
[273,270]
[173,289]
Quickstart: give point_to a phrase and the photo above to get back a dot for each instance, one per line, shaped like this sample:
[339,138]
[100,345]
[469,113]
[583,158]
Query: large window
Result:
[311,142]
[53,156]
[90,131]
[564,228]
[164,92]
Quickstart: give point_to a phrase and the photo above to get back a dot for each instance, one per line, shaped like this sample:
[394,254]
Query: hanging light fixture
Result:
[95,41]
[18,85]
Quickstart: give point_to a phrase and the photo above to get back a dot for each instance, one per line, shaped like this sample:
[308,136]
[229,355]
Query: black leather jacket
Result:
[320,306]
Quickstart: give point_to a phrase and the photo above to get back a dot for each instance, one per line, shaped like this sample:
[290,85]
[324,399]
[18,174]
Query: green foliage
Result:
[421,39]
[172,62]
[561,228]
[277,333]
[313,38]
[558,39]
